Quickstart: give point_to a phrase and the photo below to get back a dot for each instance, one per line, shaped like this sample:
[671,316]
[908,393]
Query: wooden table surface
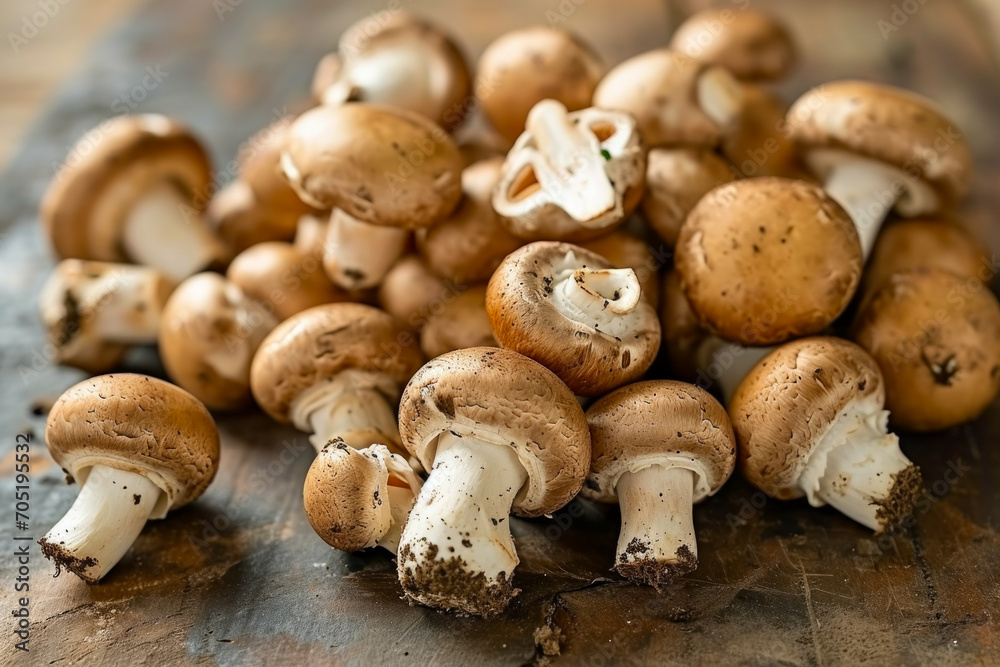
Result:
[240,578]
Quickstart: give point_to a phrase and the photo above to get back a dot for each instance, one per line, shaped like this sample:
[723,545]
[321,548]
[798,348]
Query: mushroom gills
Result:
[456,551]
[358,255]
[598,298]
[106,518]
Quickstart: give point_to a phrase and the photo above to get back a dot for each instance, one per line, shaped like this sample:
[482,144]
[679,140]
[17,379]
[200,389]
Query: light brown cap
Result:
[525,66]
[893,126]
[108,170]
[505,399]
[412,293]
[788,402]
[767,259]
[936,337]
[137,424]
[468,246]
[625,250]
[682,332]
[753,45]
[241,221]
[660,422]
[521,303]
[462,322]
[259,159]
[676,180]
[381,165]
[758,144]
[317,344]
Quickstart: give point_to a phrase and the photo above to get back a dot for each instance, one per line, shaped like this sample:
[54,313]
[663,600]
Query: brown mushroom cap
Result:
[676,180]
[84,209]
[789,401]
[411,292]
[381,165]
[936,337]
[892,126]
[758,144]
[317,344]
[503,398]
[241,221]
[138,424]
[461,323]
[655,423]
[751,44]
[523,67]
[525,319]
[682,332]
[767,259]
[259,160]
[625,250]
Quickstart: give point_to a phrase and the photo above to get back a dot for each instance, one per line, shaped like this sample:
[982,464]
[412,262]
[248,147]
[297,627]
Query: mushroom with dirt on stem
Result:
[499,434]
[139,447]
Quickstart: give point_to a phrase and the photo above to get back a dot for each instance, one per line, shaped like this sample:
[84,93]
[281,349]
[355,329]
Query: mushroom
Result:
[461,323]
[571,176]
[570,310]
[499,434]
[468,246]
[676,180]
[657,448]
[625,250]
[401,62]
[523,67]
[759,143]
[677,101]
[764,260]
[310,235]
[359,498]
[385,171]
[209,333]
[412,293]
[810,421]
[133,190]
[879,149]
[93,311]
[336,370]
[139,447]
[936,337]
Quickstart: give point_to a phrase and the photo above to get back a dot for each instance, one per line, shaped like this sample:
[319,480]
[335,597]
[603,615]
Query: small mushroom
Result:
[571,176]
[310,235]
[764,260]
[523,67]
[625,250]
[758,144]
[93,311]
[403,62]
[133,190]
[570,310]
[936,337]
[359,498]
[138,447]
[810,421]
[385,171]
[879,149]
[499,434]
[657,448]
[209,333]
[676,180]
[412,293]
[336,371]
[461,323]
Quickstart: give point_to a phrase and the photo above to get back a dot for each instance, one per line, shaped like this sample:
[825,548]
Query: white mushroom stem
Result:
[103,523]
[720,96]
[400,503]
[726,363]
[165,232]
[357,255]
[657,519]
[599,298]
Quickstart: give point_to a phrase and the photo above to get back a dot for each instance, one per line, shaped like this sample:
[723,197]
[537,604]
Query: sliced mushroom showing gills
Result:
[810,420]
[571,176]
[499,434]
[139,447]
[359,498]
[658,448]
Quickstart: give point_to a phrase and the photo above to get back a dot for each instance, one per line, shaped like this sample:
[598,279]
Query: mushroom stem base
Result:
[657,542]
[358,254]
[105,519]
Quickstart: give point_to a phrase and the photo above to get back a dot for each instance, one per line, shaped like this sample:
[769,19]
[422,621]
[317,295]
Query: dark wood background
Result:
[783,584]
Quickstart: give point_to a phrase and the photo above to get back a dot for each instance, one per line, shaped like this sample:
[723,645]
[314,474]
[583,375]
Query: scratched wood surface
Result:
[778,583]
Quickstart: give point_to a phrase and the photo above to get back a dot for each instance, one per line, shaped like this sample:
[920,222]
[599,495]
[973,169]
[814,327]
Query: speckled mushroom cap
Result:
[893,126]
[523,67]
[317,344]
[764,260]
[504,399]
[108,170]
[936,337]
[461,322]
[524,318]
[788,402]
[660,422]
[138,424]
[381,165]
[751,44]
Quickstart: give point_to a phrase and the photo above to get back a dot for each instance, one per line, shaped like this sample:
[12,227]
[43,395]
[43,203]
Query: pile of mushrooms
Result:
[466,317]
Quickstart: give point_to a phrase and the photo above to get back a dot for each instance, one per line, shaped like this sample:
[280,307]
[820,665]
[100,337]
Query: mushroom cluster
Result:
[466,317]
